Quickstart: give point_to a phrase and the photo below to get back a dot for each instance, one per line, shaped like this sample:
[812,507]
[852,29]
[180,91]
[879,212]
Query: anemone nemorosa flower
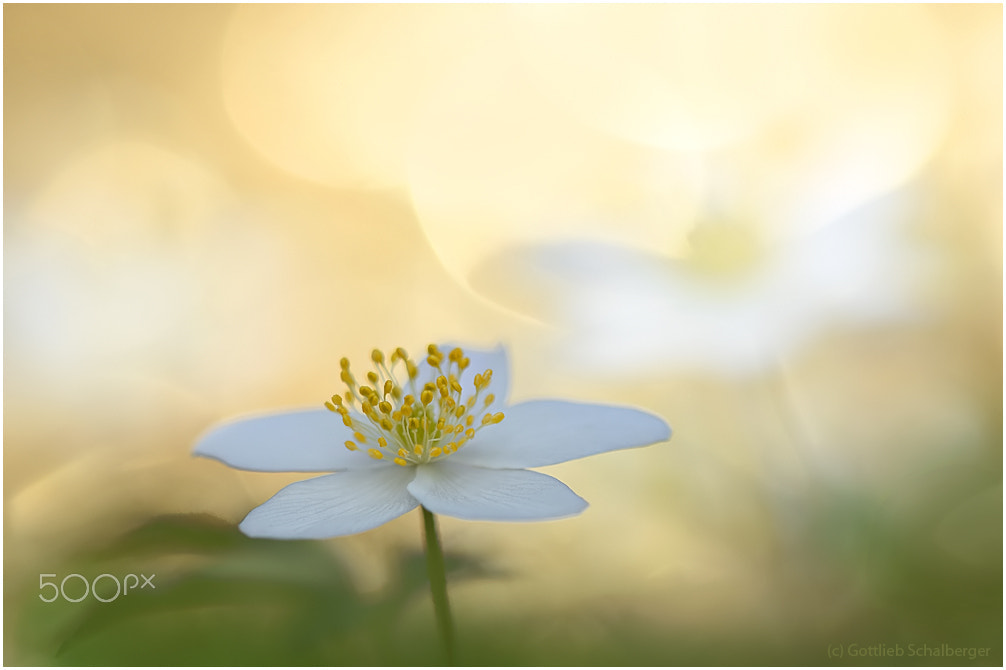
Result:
[438,434]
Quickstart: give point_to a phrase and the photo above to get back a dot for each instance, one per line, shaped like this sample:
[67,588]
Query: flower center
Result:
[419,426]
[722,250]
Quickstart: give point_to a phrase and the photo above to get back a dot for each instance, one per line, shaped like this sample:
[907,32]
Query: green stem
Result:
[438,583]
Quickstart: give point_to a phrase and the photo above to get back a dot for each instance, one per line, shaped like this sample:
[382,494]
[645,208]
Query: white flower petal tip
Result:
[545,432]
[344,503]
[296,441]
[484,494]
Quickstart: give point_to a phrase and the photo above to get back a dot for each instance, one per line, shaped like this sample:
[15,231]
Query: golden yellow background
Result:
[206,206]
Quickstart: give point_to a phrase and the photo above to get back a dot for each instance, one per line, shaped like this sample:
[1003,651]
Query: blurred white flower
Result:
[413,442]
[732,305]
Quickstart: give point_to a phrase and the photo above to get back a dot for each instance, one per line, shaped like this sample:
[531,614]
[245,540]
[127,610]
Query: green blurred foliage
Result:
[225,599]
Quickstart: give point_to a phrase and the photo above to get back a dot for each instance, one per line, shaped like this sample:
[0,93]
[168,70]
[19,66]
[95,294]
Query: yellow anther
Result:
[410,424]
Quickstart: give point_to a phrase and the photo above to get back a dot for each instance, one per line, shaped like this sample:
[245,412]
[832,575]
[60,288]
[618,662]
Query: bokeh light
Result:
[778,227]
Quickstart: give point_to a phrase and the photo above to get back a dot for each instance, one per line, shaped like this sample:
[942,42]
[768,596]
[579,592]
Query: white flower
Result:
[734,306]
[407,439]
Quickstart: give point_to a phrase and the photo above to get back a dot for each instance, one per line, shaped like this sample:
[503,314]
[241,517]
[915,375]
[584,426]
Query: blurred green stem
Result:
[438,583]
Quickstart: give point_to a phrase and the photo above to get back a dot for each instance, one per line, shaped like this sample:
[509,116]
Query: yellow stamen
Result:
[426,424]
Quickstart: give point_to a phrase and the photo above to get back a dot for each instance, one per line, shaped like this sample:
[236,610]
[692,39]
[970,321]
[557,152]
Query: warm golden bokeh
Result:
[778,227]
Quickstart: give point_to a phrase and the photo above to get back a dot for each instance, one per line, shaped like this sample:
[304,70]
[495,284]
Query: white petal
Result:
[339,504]
[545,432]
[479,360]
[483,494]
[303,441]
